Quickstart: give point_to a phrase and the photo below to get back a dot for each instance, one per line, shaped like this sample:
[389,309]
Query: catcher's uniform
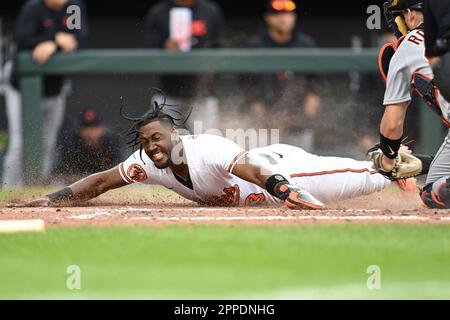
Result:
[211,159]
[408,62]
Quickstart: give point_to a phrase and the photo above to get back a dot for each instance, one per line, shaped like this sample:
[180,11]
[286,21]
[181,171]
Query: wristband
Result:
[273,184]
[390,147]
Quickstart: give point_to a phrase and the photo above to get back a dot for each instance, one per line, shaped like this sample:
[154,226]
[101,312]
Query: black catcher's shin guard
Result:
[437,195]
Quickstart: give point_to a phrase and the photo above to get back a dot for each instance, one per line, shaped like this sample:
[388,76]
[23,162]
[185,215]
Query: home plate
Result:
[31,225]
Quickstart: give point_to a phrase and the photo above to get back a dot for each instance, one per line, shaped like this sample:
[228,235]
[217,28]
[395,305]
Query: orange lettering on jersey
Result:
[231,197]
[255,198]
[417,40]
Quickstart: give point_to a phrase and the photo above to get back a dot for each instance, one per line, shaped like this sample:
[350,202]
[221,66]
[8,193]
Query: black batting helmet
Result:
[398,5]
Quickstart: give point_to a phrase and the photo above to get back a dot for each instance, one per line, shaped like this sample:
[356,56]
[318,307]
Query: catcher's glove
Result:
[405,165]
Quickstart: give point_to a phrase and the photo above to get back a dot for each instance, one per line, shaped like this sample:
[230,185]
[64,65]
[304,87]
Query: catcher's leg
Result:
[436,193]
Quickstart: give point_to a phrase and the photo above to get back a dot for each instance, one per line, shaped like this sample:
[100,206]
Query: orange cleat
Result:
[299,199]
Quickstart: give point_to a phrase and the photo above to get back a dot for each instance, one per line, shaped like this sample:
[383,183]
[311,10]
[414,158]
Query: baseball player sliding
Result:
[213,170]
[404,67]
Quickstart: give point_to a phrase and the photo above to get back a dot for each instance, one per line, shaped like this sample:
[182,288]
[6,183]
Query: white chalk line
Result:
[229,209]
[291,218]
[114,213]
[87,216]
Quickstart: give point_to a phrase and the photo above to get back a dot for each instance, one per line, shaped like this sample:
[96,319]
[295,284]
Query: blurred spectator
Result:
[88,150]
[3,133]
[42,27]
[182,25]
[207,24]
[290,96]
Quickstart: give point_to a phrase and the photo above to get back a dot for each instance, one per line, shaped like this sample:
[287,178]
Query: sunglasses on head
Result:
[279,5]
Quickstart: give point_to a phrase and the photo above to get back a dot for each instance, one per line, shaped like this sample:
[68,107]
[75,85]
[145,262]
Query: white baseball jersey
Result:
[409,58]
[211,160]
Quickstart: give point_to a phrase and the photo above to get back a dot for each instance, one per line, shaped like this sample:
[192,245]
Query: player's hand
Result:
[171,45]
[66,41]
[43,51]
[294,198]
[40,202]
[405,149]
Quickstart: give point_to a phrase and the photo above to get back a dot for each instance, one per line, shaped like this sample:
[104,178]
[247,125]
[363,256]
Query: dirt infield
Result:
[118,209]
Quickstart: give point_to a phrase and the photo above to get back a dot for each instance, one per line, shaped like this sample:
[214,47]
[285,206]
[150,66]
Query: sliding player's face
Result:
[157,140]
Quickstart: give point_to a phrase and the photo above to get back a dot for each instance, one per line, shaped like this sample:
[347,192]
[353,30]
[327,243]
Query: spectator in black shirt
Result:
[280,28]
[44,27]
[208,26]
[437,42]
[291,96]
[207,31]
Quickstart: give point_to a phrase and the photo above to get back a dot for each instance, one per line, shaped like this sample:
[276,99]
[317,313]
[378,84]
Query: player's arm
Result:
[84,189]
[389,157]
[393,119]
[397,96]
[275,184]
[391,132]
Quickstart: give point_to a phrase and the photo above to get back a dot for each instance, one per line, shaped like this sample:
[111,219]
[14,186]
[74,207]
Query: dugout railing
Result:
[138,62]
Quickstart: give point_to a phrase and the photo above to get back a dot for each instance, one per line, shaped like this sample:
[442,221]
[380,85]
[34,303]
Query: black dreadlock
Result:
[171,114]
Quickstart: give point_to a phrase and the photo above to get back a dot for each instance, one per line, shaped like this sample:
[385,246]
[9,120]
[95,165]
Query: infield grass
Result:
[244,262]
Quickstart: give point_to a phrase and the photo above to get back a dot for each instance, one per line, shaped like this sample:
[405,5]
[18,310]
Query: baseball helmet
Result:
[398,5]
[395,8]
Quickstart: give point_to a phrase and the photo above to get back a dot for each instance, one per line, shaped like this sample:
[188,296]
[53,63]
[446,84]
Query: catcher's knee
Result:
[437,195]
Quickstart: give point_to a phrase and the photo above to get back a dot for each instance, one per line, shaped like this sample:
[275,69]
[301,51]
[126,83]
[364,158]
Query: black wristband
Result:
[61,195]
[274,182]
[390,147]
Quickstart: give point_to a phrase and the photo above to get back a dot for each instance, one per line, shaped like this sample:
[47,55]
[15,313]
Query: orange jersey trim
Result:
[123,174]
[380,58]
[321,173]
[230,167]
